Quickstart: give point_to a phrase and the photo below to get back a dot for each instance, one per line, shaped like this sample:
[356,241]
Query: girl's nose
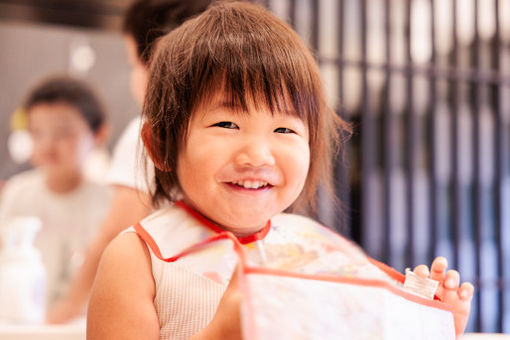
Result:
[255,153]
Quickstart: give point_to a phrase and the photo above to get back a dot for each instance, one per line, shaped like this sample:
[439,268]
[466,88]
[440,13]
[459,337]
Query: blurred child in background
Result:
[66,121]
[144,22]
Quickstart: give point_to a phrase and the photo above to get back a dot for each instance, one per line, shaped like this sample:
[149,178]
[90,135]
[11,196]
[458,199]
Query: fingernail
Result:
[450,283]
[463,294]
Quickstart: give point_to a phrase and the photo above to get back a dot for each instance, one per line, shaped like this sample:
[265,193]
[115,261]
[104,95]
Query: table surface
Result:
[77,332]
[43,332]
[485,336]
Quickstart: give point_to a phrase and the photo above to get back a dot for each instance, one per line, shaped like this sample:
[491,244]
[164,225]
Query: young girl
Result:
[66,121]
[239,131]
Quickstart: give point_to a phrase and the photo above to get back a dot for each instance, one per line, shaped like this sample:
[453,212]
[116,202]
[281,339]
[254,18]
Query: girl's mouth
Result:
[251,184]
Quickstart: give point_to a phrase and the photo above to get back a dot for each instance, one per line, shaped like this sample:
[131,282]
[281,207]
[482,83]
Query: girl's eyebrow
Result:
[238,108]
[228,105]
[225,105]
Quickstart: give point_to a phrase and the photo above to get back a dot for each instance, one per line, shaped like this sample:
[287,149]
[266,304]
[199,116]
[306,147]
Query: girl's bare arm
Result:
[121,304]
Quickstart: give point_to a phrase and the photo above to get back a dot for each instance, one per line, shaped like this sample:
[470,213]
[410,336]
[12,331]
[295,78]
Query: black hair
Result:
[71,91]
[249,54]
[147,20]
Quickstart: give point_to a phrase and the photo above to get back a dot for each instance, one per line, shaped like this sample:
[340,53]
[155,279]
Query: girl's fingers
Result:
[449,289]
[438,268]
[422,271]
[466,291]
[452,280]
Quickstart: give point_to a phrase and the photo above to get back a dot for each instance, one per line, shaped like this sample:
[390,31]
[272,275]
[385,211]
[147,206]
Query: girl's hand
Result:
[449,292]
[226,324]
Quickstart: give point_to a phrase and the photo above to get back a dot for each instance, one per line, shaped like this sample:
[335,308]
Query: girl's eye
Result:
[226,125]
[283,130]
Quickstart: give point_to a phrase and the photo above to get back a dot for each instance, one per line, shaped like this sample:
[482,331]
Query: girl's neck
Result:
[63,184]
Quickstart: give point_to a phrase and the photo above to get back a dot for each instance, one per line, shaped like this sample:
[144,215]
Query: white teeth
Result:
[250,184]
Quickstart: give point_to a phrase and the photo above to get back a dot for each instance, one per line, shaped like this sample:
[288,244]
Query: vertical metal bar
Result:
[342,172]
[477,190]
[292,13]
[433,191]
[387,137]
[315,25]
[368,129]
[455,90]
[499,140]
[411,143]
[340,40]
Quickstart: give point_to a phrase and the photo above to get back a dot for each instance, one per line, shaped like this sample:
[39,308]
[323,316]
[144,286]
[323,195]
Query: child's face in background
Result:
[61,139]
[241,169]
[138,71]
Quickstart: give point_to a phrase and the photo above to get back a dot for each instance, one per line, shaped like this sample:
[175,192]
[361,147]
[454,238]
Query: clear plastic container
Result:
[22,273]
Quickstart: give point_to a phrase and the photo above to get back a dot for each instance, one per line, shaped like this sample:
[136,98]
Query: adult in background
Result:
[144,22]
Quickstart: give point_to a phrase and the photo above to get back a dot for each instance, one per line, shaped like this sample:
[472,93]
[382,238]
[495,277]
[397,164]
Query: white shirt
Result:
[127,167]
[69,221]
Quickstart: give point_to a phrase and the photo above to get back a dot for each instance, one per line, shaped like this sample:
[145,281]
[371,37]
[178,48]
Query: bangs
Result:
[258,64]
[241,99]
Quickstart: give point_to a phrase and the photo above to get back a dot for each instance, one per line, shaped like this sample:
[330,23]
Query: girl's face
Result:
[139,73]
[241,169]
[62,139]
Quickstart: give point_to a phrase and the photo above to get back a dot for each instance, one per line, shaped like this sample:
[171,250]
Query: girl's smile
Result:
[251,178]
[251,184]
[241,168]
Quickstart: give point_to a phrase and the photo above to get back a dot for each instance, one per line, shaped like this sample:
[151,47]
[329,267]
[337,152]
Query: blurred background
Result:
[426,84]
[81,38]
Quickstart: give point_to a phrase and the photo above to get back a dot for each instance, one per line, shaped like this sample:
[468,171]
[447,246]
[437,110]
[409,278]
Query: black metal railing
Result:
[428,165]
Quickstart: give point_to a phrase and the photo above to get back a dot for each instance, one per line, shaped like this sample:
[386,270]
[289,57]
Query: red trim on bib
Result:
[391,272]
[245,269]
[353,281]
[259,235]
[144,235]
[147,238]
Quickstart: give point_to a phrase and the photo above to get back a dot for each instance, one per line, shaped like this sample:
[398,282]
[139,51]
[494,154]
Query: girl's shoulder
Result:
[170,230]
[123,287]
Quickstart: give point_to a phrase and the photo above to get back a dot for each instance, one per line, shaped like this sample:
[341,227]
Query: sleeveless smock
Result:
[189,288]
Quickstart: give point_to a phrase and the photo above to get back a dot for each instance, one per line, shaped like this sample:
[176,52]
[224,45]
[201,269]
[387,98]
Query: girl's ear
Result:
[152,146]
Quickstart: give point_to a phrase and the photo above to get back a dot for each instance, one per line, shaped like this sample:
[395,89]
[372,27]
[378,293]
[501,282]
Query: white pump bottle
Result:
[22,273]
